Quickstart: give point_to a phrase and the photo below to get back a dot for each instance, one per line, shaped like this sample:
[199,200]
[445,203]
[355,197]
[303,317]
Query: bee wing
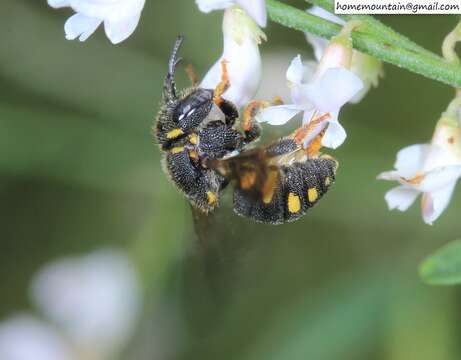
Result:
[249,170]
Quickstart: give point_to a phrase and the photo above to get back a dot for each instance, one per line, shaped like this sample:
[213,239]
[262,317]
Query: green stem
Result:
[370,43]
[377,27]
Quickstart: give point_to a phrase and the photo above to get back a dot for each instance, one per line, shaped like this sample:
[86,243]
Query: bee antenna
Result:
[169,86]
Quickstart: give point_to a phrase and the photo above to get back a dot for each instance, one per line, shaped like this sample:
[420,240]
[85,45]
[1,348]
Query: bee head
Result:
[186,110]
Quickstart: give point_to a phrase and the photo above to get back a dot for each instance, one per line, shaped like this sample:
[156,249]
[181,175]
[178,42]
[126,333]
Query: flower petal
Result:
[368,69]
[113,10]
[120,30]
[439,178]
[278,115]
[58,3]
[243,65]
[361,94]
[389,175]
[256,9]
[435,202]
[439,155]
[209,5]
[295,71]
[80,26]
[318,44]
[23,337]
[335,135]
[324,14]
[410,160]
[332,90]
[213,76]
[401,198]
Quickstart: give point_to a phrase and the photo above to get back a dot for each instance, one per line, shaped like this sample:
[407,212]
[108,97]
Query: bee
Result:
[206,147]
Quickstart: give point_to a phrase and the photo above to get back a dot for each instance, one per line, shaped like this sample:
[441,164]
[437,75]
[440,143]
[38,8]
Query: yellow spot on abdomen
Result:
[173,134]
[248,180]
[312,195]
[193,138]
[177,149]
[327,181]
[212,198]
[294,203]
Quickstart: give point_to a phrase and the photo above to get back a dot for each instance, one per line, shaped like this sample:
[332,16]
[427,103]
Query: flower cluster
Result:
[429,169]
[367,68]
[318,88]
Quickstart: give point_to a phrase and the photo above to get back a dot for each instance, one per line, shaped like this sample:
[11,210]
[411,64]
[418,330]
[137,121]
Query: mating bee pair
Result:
[204,152]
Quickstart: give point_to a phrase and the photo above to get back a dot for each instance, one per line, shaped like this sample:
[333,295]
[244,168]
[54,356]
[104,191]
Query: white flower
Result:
[367,68]
[255,8]
[324,91]
[241,52]
[120,17]
[94,298]
[431,169]
[23,337]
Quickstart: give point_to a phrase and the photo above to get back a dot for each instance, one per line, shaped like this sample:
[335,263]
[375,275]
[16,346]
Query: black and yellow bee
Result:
[204,151]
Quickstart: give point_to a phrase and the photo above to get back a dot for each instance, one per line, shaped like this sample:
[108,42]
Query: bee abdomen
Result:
[297,187]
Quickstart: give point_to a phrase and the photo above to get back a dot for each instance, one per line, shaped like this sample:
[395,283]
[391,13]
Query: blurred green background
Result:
[79,170]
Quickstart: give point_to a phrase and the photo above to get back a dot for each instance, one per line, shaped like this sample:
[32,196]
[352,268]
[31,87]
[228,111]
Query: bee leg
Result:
[250,127]
[313,149]
[223,85]
[201,186]
[252,109]
[191,74]
[311,132]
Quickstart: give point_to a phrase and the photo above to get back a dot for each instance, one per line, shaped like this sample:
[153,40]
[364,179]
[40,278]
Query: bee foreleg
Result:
[250,127]
[223,85]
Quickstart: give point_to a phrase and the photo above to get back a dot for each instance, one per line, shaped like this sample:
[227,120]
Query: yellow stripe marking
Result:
[193,138]
[174,133]
[312,195]
[294,203]
[177,149]
[212,198]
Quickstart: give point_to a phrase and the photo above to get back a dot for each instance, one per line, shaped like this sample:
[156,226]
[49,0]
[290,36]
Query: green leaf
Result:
[444,266]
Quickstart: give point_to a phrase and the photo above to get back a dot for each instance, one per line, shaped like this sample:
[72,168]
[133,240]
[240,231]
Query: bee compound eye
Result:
[193,109]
